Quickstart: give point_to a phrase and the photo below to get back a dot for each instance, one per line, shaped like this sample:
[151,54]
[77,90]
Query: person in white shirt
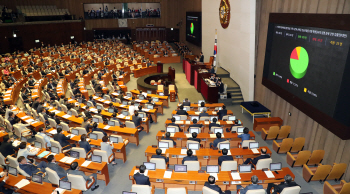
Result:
[132,108]
[42,133]
[24,151]
[22,127]
[108,147]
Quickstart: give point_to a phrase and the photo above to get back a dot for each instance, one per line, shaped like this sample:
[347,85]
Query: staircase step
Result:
[236,94]
[222,73]
[237,98]
[236,102]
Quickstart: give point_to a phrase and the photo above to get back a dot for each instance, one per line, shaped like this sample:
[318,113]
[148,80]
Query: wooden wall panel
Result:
[317,137]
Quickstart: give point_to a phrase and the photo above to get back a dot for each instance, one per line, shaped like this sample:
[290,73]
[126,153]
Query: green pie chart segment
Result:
[299,61]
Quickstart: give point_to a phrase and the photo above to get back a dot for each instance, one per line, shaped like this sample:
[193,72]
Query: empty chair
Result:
[245,143]
[180,190]
[74,112]
[100,120]
[228,165]
[65,126]
[99,134]
[130,124]
[103,154]
[81,130]
[200,129]
[60,148]
[284,132]
[23,133]
[298,145]
[204,119]
[223,142]
[41,118]
[12,161]
[120,138]
[40,139]
[270,134]
[53,123]
[207,190]
[191,141]
[342,188]
[192,165]
[160,88]
[64,108]
[298,159]
[337,172]
[160,163]
[171,143]
[142,189]
[263,163]
[82,152]
[8,125]
[256,191]
[78,182]
[316,173]
[183,117]
[171,87]
[316,157]
[52,176]
[291,190]
[282,147]
[3,162]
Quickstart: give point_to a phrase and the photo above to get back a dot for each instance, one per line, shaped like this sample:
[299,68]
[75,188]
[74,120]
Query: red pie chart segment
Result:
[294,55]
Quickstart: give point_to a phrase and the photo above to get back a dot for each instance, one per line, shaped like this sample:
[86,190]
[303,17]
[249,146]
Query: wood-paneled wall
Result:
[317,137]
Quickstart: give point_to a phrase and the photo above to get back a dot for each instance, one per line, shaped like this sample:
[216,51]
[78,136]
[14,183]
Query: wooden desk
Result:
[170,59]
[35,125]
[185,124]
[145,71]
[224,181]
[211,113]
[38,87]
[12,94]
[2,135]
[164,99]
[209,93]
[195,106]
[34,187]
[205,156]
[266,123]
[181,138]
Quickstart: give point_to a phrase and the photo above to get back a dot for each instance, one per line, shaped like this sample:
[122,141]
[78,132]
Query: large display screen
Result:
[194,27]
[307,65]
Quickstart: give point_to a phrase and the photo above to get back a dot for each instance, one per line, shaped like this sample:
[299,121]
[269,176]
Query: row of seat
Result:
[274,132]
[41,10]
[324,172]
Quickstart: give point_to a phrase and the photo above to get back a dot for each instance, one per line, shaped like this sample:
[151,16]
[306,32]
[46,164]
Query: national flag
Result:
[215,47]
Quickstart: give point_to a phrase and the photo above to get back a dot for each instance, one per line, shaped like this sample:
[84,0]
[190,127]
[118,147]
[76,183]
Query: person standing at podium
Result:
[201,58]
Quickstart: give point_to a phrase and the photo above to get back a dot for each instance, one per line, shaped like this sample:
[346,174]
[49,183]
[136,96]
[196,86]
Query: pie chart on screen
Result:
[299,61]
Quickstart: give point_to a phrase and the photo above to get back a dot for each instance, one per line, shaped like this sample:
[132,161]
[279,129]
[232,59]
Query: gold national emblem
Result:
[224,13]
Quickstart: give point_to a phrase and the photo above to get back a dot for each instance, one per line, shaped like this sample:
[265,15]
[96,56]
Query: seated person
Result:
[245,135]
[2,184]
[186,103]
[211,185]
[195,124]
[213,124]
[253,186]
[167,137]
[84,144]
[173,123]
[30,168]
[288,182]
[24,151]
[224,156]
[222,112]
[95,128]
[137,121]
[202,104]
[217,140]
[263,155]
[6,147]
[114,118]
[108,147]
[181,111]
[189,157]
[51,163]
[74,169]
[159,155]
[62,139]
[203,113]
[115,109]
[140,177]
[194,137]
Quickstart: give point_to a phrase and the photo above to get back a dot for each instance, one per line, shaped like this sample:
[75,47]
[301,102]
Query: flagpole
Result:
[215,49]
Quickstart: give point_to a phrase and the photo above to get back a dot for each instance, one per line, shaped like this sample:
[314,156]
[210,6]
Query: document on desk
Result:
[179,122]
[24,117]
[22,183]
[235,176]
[138,100]
[172,134]
[255,151]
[188,122]
[167,174]
[70,160]
[214,175]
[188,135]
[212,135]
[86,163]
[58,191]
[107,102]
[70,100]
[146,109]
[197,113]
[29,120]
[120,116]
[53,132]
[269,174]
[106,127]
[115,94]
[229,153]
[184,151]
[122,105]
[213,112]
[127,118]
[64,159]
[44,153]
[16,143]
[66,116]
[206,122]
[229,122]
[71,136]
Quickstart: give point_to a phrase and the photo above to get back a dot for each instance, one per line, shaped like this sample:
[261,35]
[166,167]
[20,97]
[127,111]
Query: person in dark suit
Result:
[159,155]
[211,185]
[222,112]
[194,137]
[186,103]
[11,118]
[36,103]
[2,184]
[167,137]
[137,121]
[181,111]
[217,140]
[255,160]
[84,144]
[203,113]
[220,85]
[245,135]
[62,139]
[31,81]
[252,186]
[194,124]
[173,123]
[95,128]
[189,157]
[115,109]
[213,124]
[224,157]
[51,163]
[30,168]
[6,147]
[212,70]
[74,169]
[201,58]
[288,182]
[140,178]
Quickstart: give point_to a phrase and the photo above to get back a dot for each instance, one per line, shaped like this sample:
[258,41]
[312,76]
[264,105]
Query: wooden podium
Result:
[266,123]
